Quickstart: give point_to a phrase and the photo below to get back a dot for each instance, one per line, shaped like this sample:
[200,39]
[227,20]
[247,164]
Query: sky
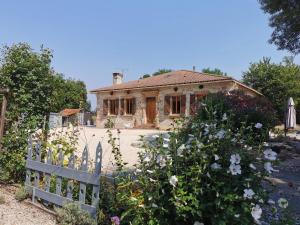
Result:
[92,39]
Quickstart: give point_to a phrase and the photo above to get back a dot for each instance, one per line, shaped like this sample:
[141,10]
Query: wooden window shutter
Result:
[117,106]
[105,107]
[167,105]
[122,107]
[182,104]
[133,105]
[193,104]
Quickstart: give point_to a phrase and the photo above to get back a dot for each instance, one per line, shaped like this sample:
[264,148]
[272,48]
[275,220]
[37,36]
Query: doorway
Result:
[151,109]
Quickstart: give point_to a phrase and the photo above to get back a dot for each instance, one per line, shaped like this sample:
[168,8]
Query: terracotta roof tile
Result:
[69,112]
[171,78]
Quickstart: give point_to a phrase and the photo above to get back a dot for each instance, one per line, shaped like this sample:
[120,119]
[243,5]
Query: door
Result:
[151,110]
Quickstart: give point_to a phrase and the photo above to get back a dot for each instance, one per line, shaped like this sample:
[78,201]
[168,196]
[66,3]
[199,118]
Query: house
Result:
[158,100]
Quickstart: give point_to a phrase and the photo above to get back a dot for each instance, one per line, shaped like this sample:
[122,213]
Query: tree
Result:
[161,71]
[28,76]
[215,71]
[158,72]
[285,19]
[276,81]
[145,76]
[68,93]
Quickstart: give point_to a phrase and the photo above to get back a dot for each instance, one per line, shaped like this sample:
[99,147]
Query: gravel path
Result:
[13,212]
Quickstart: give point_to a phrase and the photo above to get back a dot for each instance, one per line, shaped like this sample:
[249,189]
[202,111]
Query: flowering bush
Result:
[246,109]
[208,172]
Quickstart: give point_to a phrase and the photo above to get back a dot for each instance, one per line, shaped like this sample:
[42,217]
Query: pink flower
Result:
[115,220]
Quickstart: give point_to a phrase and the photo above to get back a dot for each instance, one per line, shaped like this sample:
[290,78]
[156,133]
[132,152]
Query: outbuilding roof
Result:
[69,112]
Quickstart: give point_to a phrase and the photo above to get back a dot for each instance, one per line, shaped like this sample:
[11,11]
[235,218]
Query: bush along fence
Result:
[42,174]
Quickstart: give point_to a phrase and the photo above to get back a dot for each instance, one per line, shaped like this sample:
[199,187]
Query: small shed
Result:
[71,116]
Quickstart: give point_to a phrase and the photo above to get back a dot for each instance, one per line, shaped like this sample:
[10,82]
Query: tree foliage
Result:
[285,19]
[215,71]
[161,71]
[28,76]
[276,81]
[69,93]
[35,91]
[158,72]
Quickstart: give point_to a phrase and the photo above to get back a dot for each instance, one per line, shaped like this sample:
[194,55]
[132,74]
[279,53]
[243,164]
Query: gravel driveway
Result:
[13,212]
[129,141]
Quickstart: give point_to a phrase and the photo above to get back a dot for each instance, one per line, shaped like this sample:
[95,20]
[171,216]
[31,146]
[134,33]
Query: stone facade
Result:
[162,120]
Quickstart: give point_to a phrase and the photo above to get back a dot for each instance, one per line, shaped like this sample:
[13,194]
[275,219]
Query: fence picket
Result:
[70,182]
[59,178]
[38,153]
[84,167]
[98,165]
[29,156]
[47,175]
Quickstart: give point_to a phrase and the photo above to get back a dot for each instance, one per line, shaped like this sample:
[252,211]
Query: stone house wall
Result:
[162,121]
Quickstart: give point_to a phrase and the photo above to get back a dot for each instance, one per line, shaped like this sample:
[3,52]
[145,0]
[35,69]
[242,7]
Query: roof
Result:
[69,112]
[179,77]
[171,78]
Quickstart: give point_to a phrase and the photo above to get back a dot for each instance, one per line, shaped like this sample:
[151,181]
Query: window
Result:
[114,107]
[176,104]
[129,106]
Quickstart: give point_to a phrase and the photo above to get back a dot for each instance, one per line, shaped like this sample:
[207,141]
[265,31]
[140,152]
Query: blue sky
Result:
[92,39]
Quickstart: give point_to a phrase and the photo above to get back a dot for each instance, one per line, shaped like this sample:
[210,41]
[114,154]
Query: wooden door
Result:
[151,109]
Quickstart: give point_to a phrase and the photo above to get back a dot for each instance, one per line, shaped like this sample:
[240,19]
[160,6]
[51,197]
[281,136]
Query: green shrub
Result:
[244,109]
[21,194]
[209,171]
[2,199]
[71,214]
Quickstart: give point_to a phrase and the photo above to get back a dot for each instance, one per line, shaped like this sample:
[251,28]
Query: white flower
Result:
[150,171]
[224,117]
[166,139]
[270,155]
[268,167]
[234,140]
[216,157]
[283,203]
[215,166]
[138,170]
[154,205]
[220,134]
[152,180]
[59,146]
[237,215]
[271,202]
[235,169]
[258,125]
[256,212]
[252,166]
[173,180]
[166,145]
[235,159]
[198,223]
[147,158]
[161,160]
[248,193]
[180,150]
[155,136]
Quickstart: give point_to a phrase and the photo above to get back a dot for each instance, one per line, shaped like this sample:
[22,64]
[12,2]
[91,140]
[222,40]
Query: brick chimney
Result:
[117,78]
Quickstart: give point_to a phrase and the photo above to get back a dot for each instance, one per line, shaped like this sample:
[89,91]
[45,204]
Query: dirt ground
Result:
[13,212]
